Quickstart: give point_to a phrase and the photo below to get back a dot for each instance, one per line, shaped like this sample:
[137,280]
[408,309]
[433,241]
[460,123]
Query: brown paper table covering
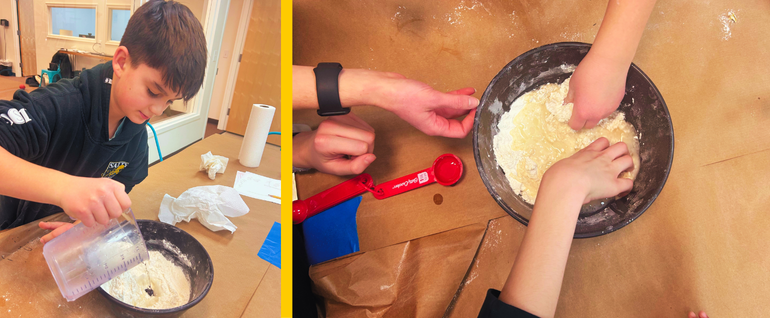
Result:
[701,245]
[244,284]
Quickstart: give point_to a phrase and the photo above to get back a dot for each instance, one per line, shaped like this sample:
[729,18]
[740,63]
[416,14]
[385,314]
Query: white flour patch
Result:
[171,288]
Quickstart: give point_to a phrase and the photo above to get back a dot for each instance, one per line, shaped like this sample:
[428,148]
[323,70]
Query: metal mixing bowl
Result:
[642,104]
[177,243]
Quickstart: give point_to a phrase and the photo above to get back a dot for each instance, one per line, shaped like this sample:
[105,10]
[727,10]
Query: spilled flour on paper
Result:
[534,134]
[171,288]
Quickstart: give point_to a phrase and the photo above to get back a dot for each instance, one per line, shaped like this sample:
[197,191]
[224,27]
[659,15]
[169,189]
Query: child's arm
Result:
[535,279]
[341,145]
[87,199]
[428,110]
[598,84]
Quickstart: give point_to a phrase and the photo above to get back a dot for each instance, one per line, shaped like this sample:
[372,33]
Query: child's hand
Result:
[57,227]
[427,109]
[94,200]
[593,170]
[341,145]
[596,89]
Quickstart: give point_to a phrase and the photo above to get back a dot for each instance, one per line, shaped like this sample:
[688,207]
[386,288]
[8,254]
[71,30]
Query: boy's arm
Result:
[535,279]
[26,123]
[598,84]
[428,110]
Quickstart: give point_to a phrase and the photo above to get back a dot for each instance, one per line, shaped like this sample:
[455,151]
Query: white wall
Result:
[7,7]
[226,57]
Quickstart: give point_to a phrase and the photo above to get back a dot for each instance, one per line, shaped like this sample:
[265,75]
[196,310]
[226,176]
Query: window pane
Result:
[77,22]
[119,23]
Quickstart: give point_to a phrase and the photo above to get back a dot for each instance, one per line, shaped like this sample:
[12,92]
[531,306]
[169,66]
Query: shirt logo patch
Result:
[114,168]
[16,116]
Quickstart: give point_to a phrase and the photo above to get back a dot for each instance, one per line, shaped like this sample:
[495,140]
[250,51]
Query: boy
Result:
[80,145]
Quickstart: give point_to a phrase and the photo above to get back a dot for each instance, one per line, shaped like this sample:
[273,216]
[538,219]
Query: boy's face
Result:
[138,92]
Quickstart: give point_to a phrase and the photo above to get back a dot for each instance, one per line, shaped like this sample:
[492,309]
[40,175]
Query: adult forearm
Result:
[27,181]
[536,277]
[357,87]
[621,30]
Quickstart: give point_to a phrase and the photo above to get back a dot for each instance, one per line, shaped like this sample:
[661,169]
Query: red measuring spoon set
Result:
[446,170]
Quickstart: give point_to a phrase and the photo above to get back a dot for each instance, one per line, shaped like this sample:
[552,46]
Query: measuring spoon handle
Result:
[303,209]
[403,184]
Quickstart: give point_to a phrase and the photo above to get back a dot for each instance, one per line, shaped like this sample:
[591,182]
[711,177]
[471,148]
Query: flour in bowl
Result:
[171,288]
[534,134]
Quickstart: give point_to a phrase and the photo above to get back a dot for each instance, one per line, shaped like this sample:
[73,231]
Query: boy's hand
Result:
[57,227]
[594,170]
[596,89]
[341,145]
[93,200]
[427,109]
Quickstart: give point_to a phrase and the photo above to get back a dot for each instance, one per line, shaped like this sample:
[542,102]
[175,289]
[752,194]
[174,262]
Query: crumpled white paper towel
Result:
[209,204]
[213,164]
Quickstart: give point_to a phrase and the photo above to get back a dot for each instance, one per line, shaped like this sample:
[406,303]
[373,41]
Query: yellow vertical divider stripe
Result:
[286,159]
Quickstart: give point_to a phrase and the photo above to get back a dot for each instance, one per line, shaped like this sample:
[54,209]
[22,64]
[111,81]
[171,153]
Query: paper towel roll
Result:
[256,135]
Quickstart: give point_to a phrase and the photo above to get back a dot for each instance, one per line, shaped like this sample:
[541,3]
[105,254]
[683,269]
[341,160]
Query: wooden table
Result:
[244,284]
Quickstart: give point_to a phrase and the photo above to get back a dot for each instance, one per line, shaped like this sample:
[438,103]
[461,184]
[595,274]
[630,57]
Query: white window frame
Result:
[111,7]
[49,32]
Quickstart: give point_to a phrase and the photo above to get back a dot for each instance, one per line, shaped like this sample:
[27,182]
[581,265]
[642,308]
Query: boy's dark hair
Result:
[166,36]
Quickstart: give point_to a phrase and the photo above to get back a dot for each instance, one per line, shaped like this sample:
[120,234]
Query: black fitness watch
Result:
[327,77]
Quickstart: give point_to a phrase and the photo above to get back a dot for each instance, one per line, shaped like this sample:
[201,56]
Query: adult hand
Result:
[595,89]
[595,169]
[341,145]
[94,200]
[432,112]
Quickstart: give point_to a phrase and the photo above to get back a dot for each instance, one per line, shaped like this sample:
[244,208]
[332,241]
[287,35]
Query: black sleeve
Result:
[26,122]
[136,171]
[494,307]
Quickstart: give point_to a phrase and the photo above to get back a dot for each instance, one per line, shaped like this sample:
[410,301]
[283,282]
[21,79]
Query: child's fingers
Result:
[591,123]
[51,225]
[598,144]
[343,167]
[112,207]
[334,146]
[353,121]
[617,150]
[337,129]
[100,215]
[624,163]
[624,186]
[56,232]
[463,91]
[86,218]
[702,314]
[691,315]
[123,199]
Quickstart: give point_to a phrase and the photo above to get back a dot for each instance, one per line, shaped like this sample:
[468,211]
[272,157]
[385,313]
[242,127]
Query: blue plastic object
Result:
[52,75]
[333,233]
[156,140]
[271,248]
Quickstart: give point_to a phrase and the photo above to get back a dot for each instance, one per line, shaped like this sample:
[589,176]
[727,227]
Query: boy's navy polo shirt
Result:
[64,127]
